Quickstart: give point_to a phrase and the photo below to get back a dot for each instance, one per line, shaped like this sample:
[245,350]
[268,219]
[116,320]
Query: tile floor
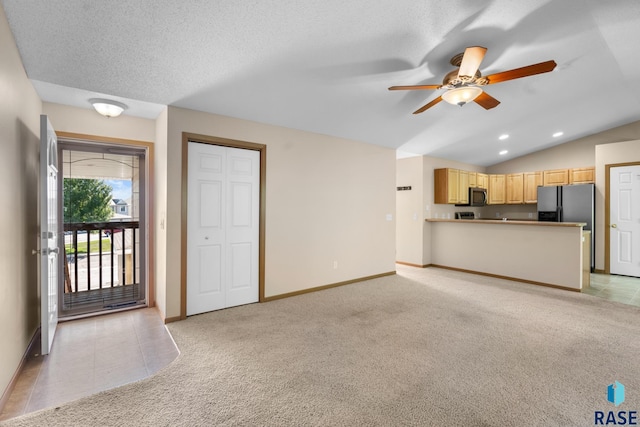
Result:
[91,355]
[622,289]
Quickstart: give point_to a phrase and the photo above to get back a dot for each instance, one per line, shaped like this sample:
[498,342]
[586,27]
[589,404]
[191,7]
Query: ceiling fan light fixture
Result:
[461,95]
[107,107]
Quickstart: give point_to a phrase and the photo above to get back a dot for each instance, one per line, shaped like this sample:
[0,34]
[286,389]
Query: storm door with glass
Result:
[103,213]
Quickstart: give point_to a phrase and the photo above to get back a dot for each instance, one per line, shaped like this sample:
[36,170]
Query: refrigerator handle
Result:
[559,213]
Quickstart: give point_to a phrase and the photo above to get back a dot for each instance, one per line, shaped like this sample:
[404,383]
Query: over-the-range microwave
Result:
[477,197]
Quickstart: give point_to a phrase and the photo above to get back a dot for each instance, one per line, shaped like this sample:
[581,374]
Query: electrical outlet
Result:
[335,265]
[497,214]
[530,215]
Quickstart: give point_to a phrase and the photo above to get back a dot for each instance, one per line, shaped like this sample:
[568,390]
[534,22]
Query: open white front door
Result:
[48,233]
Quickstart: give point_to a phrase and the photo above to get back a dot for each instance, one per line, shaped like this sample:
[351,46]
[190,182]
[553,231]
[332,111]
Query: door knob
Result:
[614,226]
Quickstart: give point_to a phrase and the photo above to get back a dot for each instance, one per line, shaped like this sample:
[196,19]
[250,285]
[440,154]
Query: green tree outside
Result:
[86,200]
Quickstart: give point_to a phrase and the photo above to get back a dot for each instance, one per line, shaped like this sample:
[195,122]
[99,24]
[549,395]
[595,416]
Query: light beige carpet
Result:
[426,347]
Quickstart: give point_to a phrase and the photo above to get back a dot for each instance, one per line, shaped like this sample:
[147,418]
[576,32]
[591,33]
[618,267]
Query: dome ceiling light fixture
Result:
[461,95]
[108,107]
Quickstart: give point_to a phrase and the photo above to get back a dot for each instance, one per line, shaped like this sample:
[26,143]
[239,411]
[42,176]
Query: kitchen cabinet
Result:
[582,175]
[556,177]
[531,182]
[450,186]
[515,188]
[445,185]
[482,180]
[463,187]
[497,189]
[472,179]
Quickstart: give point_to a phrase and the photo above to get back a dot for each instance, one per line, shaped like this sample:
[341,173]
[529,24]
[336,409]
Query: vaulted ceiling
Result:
[325,66]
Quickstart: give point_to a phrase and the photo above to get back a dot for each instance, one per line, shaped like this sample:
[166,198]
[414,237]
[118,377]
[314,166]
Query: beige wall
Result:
[326,200]
[410,209]
[159,204]
[20,109]
[413,242]
[88,122]
[609,154]
[526,212]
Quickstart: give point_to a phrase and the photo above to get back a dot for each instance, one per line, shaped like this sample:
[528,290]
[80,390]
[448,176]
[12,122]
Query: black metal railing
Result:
[113,261]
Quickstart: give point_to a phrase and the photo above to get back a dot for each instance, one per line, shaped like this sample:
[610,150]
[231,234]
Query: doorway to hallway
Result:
[622,219]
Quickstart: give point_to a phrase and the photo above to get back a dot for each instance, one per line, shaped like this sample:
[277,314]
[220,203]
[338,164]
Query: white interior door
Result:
[48,233]
[222,227]
[624,214]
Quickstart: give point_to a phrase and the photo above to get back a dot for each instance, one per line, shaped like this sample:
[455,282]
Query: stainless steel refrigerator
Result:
[569,203]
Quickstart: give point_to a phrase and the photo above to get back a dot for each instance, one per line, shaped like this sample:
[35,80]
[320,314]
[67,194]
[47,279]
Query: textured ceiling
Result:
[325,66]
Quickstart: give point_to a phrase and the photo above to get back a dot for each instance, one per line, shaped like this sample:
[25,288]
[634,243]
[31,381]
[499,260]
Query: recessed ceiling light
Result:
[557,134]
[503,152]
[503,137]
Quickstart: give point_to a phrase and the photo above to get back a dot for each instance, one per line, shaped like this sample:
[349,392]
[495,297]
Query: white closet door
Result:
[222,227]
[242,228]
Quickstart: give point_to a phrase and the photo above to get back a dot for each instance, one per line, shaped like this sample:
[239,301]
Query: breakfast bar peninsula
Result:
[552,254]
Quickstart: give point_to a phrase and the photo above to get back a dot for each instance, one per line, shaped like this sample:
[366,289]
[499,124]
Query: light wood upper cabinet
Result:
[446,185]
[497,187]
[556,177]
[515,189]
[463,187]
[472,179]
[450,186]
[531,182]
[482,180]
[582,175]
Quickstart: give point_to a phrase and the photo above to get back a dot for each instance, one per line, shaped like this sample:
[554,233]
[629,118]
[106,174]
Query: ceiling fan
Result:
[464,84]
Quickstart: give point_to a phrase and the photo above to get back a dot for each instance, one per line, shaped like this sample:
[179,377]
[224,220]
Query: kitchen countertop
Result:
[510,222]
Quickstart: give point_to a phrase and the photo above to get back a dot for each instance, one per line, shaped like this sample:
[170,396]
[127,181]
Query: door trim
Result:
[233,143]
[607,218]
[150,177]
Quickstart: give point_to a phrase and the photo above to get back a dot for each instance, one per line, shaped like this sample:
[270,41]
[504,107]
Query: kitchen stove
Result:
[465,215]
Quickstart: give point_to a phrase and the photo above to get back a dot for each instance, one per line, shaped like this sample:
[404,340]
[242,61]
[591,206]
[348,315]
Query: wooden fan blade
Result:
[530,70]
[486,101]
[429,105]
[416,87]
[471,60]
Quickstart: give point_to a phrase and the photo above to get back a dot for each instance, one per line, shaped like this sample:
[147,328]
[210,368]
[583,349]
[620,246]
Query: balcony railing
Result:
[101,255]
